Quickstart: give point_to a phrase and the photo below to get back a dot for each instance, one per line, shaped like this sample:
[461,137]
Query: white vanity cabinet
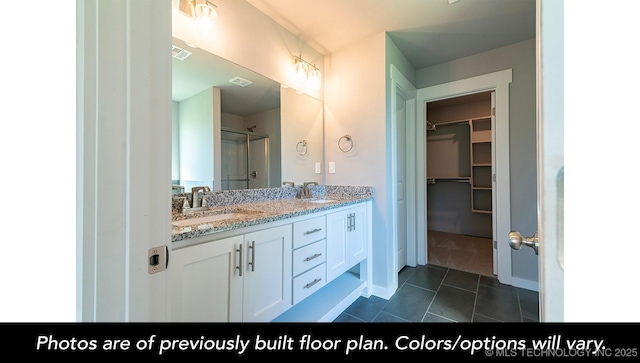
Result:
[346,240]
[306,268]
[245,278]
[205,282]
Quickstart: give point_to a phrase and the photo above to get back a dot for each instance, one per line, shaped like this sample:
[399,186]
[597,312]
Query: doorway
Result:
[498,84]
[460,194]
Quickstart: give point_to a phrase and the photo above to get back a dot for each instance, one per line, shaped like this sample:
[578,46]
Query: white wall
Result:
[355,105]
[196,139]
[522,125]
[302,117]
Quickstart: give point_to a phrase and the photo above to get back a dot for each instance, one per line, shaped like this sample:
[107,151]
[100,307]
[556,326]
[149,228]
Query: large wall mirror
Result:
[236,129]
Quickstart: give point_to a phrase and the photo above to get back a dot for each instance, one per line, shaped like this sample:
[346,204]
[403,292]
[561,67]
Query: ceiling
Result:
[427,32]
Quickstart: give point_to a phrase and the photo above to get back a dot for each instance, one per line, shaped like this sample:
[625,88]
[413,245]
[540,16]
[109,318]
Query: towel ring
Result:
[345,145]
[301,148]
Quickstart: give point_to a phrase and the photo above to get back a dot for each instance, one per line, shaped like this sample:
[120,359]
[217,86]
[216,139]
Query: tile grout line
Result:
[434,296]
[475,299]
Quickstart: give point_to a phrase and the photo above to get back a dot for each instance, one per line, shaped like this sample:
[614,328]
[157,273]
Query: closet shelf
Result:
[477,140]
[481,164]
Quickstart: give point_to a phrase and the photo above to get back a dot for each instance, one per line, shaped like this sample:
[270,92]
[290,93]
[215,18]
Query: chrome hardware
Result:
[312,283]
[239,267]
[351,222]
[306,193]
[253,255]
[516,241]
[313,231]
[312,257]
[158,259]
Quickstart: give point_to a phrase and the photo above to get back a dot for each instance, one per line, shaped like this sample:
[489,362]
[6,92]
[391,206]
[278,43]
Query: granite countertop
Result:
[235,209]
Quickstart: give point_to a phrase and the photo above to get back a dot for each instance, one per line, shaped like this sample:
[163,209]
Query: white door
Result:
[124,159]
[550,159]
[403,101]
[549,239]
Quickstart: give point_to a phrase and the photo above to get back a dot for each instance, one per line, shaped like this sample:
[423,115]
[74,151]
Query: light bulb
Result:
[206,17]
[301,69]
[316,78]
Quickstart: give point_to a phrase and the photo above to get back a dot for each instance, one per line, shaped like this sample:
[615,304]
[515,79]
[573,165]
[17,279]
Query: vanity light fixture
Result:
[203,12]
[307,71]
[301,68]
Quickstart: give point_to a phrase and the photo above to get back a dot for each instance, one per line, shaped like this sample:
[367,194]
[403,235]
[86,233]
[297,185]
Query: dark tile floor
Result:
[439,294]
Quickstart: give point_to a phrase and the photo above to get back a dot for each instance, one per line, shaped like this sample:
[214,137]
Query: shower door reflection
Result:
[245,159]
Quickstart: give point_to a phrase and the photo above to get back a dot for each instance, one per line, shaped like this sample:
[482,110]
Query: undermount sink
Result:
[320,200]
[208,219]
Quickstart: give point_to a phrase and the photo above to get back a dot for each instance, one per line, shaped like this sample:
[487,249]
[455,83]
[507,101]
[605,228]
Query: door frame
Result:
[498,82]
[401,85]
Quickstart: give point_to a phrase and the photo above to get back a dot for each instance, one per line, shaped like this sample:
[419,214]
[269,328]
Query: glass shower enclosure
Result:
[245,159]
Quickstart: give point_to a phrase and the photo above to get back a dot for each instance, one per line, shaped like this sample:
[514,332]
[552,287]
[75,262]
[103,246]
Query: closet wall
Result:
[459,195]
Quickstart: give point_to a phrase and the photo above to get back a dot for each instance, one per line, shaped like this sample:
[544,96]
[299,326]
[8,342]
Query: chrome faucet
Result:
[305,189]
[196,201]
[291,184]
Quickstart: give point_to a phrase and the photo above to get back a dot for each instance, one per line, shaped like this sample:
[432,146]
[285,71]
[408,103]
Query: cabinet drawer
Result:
[310,230]
[308,256]
[308,283]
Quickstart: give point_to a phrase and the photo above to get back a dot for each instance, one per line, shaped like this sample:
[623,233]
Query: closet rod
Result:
[455,180]
[431,126]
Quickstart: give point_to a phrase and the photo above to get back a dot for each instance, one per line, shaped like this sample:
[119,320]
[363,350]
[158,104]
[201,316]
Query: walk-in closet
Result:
[459,183]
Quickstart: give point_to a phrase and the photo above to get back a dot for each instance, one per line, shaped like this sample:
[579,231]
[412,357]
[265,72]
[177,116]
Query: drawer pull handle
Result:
[312,283]
[312,257]
[313,231]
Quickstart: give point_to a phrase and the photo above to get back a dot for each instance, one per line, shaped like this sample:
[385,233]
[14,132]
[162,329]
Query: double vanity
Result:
[265,255]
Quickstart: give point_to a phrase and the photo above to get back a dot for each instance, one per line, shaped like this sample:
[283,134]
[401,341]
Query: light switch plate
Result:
[317,168]
[332,167]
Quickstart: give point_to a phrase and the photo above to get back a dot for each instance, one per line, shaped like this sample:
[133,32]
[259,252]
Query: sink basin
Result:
[321,200]
[208,219]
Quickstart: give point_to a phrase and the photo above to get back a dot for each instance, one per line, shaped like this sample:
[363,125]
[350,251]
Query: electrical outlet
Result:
[332,167]
[317,168]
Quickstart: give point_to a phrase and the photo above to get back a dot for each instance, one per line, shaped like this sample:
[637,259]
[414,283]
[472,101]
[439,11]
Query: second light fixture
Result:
[306,71]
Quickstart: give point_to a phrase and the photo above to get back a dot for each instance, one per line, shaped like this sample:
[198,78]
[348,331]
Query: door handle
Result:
[516,241]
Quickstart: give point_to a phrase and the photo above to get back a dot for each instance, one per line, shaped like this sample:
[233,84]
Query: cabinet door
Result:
[206,285]
[336,244]
[267,274]
[346,240]
[356,235]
